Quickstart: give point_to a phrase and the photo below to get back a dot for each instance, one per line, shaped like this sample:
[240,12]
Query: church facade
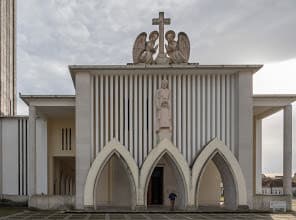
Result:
[132,134]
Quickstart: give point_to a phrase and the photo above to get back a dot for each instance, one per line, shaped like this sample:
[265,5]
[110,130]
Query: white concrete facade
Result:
[100,145]
[215,93]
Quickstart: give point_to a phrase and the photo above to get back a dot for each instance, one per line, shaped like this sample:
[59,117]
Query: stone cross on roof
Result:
[174,52]
[161,21]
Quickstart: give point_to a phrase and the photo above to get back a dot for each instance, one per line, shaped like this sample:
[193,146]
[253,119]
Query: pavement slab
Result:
[150,216]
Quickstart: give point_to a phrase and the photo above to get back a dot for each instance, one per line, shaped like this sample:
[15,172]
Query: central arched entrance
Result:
[165,179]
[164,171]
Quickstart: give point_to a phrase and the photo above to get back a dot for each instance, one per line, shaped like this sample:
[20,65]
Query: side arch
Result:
[113,147]
[165,147]
[226,164]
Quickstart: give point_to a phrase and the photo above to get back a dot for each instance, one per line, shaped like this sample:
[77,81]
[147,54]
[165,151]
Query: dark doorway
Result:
[155,187]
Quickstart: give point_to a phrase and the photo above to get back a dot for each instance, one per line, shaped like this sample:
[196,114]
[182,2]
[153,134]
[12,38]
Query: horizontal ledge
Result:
[172,66]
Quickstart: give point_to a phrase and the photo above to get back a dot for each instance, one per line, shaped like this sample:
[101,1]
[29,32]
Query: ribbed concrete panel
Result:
[202,109]
[15,162]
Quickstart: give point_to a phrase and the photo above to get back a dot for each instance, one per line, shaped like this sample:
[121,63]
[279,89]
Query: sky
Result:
[53,34]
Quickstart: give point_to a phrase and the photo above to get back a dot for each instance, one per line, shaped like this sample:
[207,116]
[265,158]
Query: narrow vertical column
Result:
[20,155]
[155,87]
[244,128]
[222,110]
[145,122]
[111,107]
[184,113]
[174,109]
[198,112]
[116,117]
[131,115]
[41,156]
[83,134]
[218,104]
[189,119]
[107,99]
[213,106]
[287,180]
[97,119]
[203,111]
[32,151]
[101,112]
[136,111]
[233,95]
[170,86]
[121,109]
[126,118]
[140,118]
[150,113]
[208,108]
[228,109]
[92,121]
[194,135]
[258,144]
[179,105]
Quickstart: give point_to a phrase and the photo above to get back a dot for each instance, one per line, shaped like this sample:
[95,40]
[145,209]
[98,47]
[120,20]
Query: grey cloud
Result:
[52,34]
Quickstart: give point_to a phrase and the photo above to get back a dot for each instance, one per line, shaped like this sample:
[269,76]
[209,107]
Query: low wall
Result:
[46,202]
[262,202]
[13,200]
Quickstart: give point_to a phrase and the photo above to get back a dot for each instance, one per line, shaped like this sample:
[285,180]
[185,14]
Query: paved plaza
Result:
[146,216]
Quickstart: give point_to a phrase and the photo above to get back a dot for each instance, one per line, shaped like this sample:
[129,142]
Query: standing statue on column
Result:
[163,112]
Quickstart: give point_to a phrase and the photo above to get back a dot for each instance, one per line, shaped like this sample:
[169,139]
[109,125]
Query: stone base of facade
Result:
[46,202]
[13,200]
[140,208]
[191,208]
[243,208]
[262,202]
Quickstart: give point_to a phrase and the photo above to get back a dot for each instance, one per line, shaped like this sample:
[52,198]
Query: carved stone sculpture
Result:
[143,50]
[163,111]
[177,51]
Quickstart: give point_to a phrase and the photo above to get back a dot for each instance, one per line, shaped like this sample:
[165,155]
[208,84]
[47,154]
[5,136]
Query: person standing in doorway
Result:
[172,198]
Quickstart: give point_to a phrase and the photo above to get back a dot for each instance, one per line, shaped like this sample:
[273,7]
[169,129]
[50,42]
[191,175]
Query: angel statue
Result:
[143,50]
[177,51]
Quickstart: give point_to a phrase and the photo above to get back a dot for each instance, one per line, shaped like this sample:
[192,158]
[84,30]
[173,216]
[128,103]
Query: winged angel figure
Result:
[143,50]
[177,51]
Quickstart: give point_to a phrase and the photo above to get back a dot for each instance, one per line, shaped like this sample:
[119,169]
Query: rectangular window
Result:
[66,139]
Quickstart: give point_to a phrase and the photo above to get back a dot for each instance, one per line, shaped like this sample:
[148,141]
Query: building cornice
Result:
[172,69]
[68,100]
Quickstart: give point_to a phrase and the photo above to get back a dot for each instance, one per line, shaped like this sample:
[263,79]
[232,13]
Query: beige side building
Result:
[7,58]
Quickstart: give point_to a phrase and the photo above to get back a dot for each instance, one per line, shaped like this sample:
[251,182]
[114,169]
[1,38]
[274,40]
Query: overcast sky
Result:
[52,34]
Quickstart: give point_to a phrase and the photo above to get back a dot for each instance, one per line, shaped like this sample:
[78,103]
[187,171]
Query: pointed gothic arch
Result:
[112,148]
[229,169]
[165,147]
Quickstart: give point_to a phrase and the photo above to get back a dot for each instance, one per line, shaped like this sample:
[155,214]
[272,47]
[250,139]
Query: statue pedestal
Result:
[161,59]
[164,134]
